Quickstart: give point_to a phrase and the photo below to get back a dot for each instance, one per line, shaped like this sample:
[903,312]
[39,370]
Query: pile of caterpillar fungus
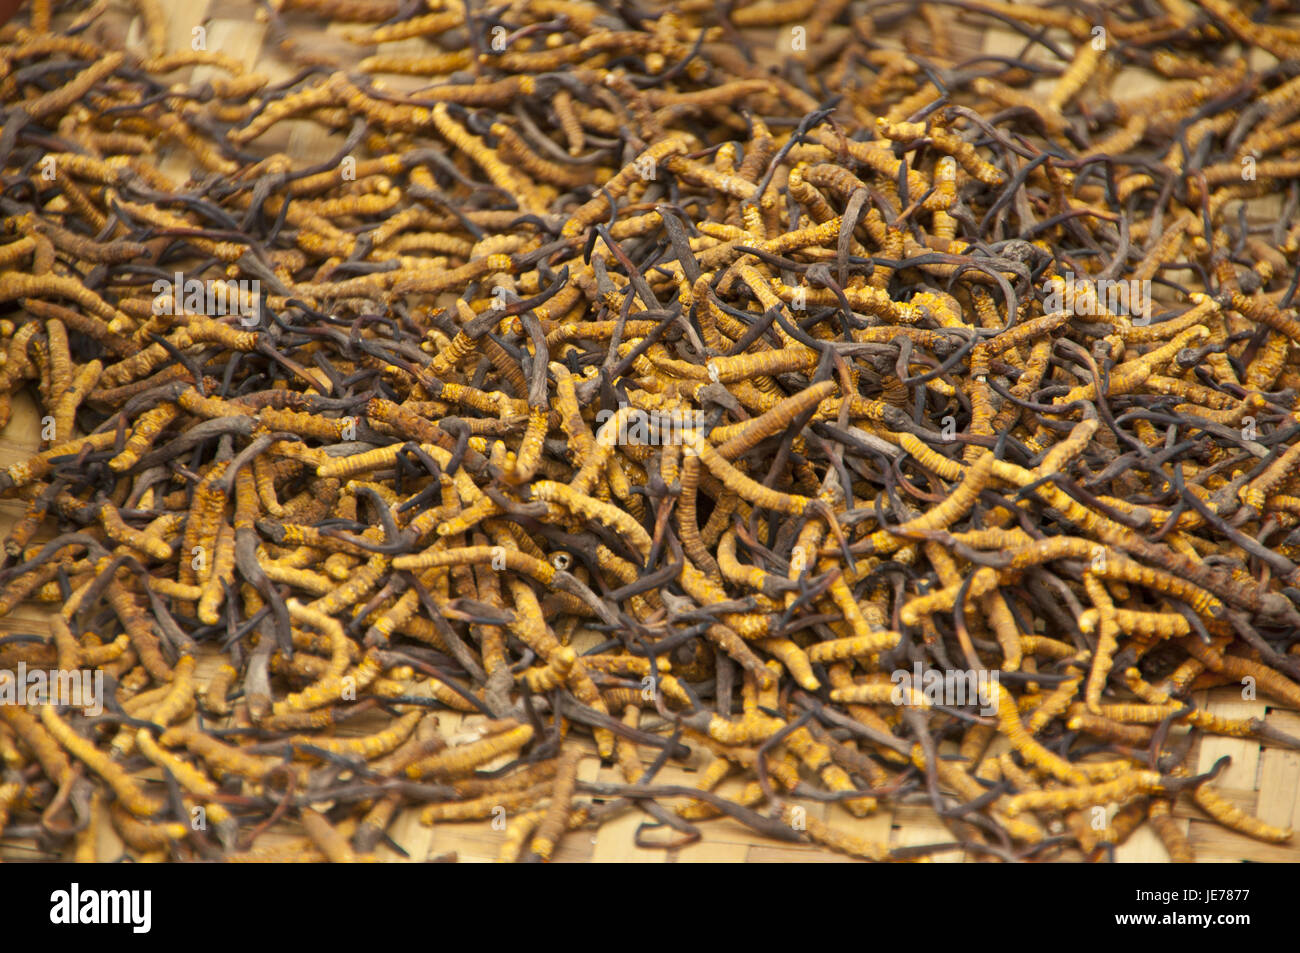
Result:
[652,387]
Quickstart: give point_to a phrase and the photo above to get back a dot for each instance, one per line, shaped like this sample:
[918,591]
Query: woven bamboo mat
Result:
[1263,779]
